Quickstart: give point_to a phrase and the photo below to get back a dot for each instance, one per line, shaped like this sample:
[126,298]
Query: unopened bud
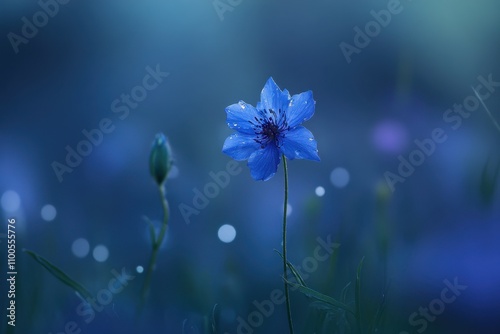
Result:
[160,159]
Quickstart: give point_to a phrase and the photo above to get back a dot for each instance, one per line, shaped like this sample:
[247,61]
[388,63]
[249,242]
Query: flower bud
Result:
[160,159]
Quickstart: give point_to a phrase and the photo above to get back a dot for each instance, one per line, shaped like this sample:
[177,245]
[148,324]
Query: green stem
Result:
[156,247]
[285,209]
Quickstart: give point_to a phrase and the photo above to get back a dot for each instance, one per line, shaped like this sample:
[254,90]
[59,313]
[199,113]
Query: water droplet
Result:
[235,124]
[311,139]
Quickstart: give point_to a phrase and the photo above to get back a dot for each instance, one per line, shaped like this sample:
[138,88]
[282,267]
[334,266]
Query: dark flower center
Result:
[270,127]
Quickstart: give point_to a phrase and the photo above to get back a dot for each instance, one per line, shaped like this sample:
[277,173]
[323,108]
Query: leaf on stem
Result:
[319,296]
[60,275]
[152,231]
[293,270]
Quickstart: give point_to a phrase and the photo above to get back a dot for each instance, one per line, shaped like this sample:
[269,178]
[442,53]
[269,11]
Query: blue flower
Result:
[271,129]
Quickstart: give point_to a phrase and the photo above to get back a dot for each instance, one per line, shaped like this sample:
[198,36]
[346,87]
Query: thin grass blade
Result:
[60,275]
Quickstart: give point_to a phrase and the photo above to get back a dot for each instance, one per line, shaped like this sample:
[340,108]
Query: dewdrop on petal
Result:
[160,159]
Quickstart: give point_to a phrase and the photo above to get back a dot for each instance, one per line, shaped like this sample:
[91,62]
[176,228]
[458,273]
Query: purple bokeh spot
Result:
[390,137]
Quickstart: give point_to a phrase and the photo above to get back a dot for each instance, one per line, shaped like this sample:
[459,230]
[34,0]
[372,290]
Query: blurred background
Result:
[136,68]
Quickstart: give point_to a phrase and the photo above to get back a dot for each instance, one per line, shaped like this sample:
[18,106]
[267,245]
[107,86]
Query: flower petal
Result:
[239,116]
[272,97]
[264,162]
[299,143]
[300,108]
[240,146]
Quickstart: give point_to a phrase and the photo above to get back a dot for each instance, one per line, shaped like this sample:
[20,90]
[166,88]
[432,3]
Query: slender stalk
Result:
[285,209]
[156,247]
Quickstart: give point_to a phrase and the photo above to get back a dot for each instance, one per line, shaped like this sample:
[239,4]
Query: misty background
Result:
[441,223]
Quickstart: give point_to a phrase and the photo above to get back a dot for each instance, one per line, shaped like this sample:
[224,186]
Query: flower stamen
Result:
[270,128]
